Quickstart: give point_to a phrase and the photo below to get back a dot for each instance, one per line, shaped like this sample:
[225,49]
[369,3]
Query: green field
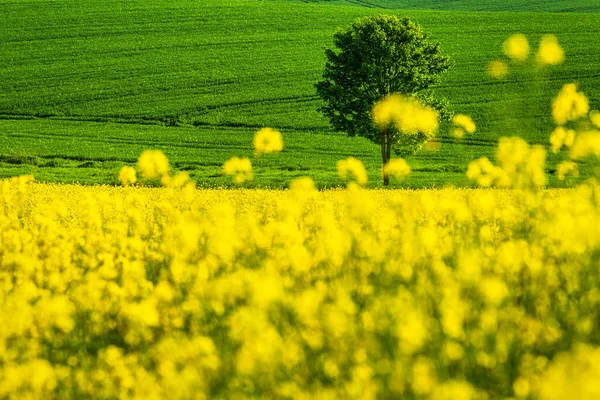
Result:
[471,5]
[86,85]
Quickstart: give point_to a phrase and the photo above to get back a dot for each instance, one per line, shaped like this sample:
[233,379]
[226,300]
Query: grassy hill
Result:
[85,86]
[472,5]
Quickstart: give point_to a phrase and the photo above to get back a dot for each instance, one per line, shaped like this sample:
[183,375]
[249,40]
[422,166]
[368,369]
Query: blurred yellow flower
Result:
[595,118]
[566,167]
[239,168]
[521,387]
[179,180]
[462,124]
[497,69]
[303,184]
[352,169]
[550,52]
[516,47]
[127,175]
[267,140]
[586,144]
[494,290]
[153,164]
[396,167]
[407,114]
[569,105]
[561,137]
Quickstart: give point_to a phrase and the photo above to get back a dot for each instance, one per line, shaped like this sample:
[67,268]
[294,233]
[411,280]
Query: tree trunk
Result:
[385,153]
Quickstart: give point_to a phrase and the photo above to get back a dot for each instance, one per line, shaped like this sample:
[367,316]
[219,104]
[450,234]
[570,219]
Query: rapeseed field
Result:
[141,292]
[133,292]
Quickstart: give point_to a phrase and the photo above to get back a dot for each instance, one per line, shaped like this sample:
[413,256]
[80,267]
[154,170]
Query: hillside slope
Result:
[229,68]
[472,5]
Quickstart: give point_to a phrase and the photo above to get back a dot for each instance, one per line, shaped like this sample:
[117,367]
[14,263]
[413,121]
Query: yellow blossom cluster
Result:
[463,124]
[153,164]
[145,293]
[561,137]
[267,140]
[569,105]
[407,114]
[352,169]
[595,118]
[519,166]
[549,52]
[566,168]
[497,69]
[396,167]
[239,168]
[127,175]
[516,47]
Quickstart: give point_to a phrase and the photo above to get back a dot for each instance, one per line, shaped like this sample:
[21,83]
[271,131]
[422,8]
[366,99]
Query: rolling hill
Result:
[85,86]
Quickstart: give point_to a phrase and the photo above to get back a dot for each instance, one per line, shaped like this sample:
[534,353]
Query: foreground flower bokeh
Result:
[137,292]
[152,293]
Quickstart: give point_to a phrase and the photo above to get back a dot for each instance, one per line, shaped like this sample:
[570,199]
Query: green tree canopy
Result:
[374,58]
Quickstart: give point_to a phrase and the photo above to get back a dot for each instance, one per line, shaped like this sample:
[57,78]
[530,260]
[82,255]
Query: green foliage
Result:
[375,57]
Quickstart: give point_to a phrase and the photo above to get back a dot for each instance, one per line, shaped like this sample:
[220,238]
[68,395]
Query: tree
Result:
[376,57]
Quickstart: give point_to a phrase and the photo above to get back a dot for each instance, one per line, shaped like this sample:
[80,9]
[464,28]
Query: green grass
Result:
[472,5]
[85,86]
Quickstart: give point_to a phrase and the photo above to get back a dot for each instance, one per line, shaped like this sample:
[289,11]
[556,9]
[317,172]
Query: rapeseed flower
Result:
[127,175]
[566,167]
[267,140]
[586,144]
[407,114]
[239,168]
[397,167]
[497,69]
[561,137]
[595,118]
[516,47]
[549,52]
[352,169]
[521,387]
[569,105]
[462,124]
[153,164]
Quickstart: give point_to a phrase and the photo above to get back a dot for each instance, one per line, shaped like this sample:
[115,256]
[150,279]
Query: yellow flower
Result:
[407,114]
[463,124]
[561,136]
[396,167]
[497,69]
[423,376]
[566,167]
[352,169]
[586,143]
[127,175]
[267,140]
[595,118]
[521,387]
[494,290]
[453,350]
[550,52]
[239,168]
[153,164]
[454,390]
[569,104]
[303,184]
[516,47]
[179,180]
